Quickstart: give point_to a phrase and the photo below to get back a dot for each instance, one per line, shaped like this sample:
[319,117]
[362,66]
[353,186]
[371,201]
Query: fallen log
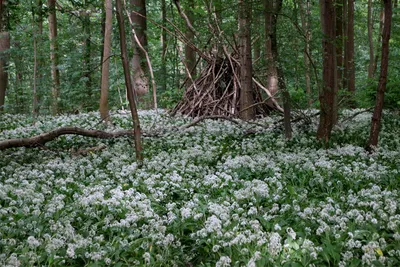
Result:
[43,138]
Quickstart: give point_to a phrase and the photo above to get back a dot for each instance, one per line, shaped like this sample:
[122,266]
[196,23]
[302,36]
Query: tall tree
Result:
[351,74]
[55,73]
[370,41]
[305,15]
[327,94]
[37,13]
[105,70]
[246,69]
[138,16]
[380,92]
[128,83]
[4,47]
[87,57]
[271,45]
[339,42]
[164,45]
[190,53]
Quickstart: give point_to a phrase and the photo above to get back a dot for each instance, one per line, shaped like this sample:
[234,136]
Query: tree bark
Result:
[305,14]
[370,41]
[271,46]
[339,42]
[38,61]
[105,70]
[328,93]
[87,73]
[246,70]
[55,73]
[140,80]
[351,74]
[190,54]
[4,47]
[164,46]
[128,83]
[380,93]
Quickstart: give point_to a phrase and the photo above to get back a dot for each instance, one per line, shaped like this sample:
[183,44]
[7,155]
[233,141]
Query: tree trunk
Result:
[271,46]
[164,46]
[87,52]
[140,80]
[190,54]
[380,93]
[55,73]
[305,14]
[4,47]
[351,74]
[371,42]
[339,42]
[128,83]
[246,70]
[328,93]
[38,61]
[105,70]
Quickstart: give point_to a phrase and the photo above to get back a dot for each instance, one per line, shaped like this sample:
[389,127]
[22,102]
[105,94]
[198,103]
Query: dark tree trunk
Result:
[328,93]
[4,47]
[380,93]
[164,46]
[128,83]
[38,60]
[246,70]
[55,73]
[351,74]
[87,53]
[190,54]
[271,46]
[339,42]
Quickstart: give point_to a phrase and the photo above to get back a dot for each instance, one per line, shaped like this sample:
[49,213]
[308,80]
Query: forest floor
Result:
[214,194]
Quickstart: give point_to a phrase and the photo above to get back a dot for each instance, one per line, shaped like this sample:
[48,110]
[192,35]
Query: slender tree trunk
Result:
[339,42]
[328,93]
[371,42]
[128,83]
[55,73]
[38,61]
[87,52]
[344,44]
[105,70]
[271,46]
[164,46]
[190,54]
[4,47]
[305,13]
[246,70]
[140,80]
[351,74]
[381,20]
[380,93]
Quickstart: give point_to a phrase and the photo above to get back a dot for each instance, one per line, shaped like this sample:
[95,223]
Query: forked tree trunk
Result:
[370,41]
[128,83]
[328,93]
[55,73]
[380,93]
[105,70]
[140,80]
[246,69]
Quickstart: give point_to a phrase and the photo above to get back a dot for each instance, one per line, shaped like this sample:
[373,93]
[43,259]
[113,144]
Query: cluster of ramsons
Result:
[214,194]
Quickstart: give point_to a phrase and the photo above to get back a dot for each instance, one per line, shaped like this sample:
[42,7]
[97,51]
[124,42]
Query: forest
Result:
[199,133]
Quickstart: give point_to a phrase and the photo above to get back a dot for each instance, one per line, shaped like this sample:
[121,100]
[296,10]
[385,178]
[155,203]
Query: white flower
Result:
[274,245]
[33,242]
[224,261]
[291,233]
